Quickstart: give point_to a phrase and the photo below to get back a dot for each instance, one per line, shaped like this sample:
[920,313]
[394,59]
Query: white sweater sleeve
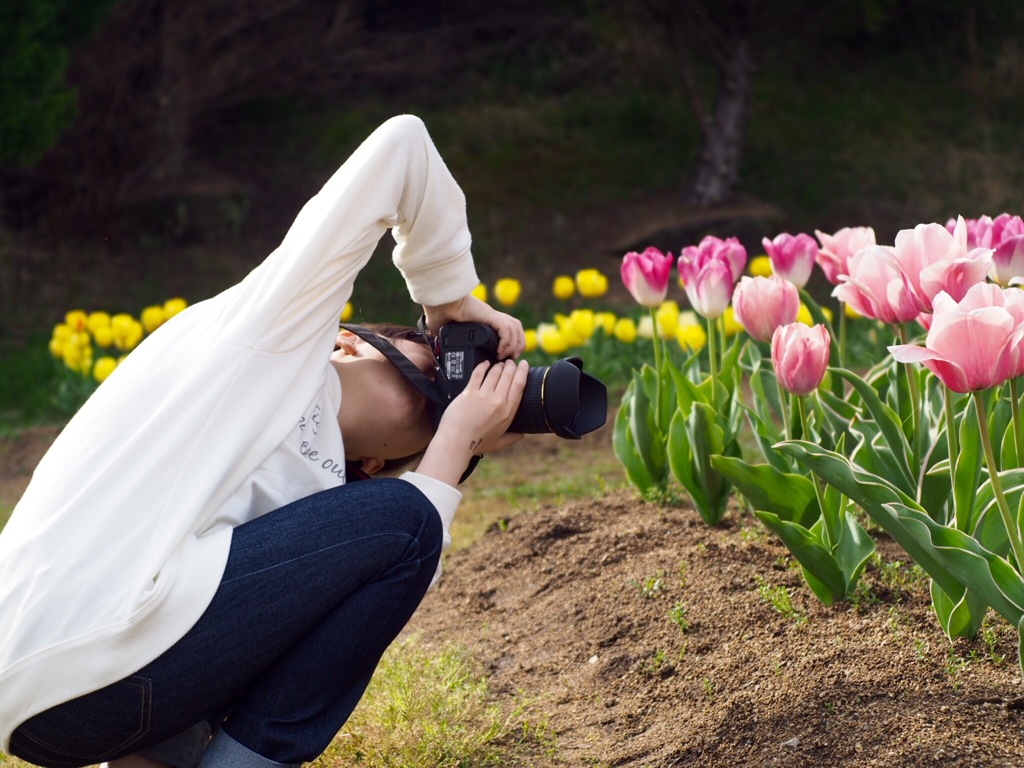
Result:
[396,179]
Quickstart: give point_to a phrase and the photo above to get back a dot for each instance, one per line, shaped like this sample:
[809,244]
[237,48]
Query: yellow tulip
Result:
[126,331]
[803,315]
[851,313]
[571,335]
[550,339]
[606,322]
[104,336]
[760,266]
[480,292]
[729,321]
[76,320]
[531,340]
[173,307]
[346,312]
[563,287]
[58,339]
[152,318]
[591,283]
[691,337]
[506,291]
[96,321]
[103,368]
[582,321]
[827,312]
[667,316]
[625,330]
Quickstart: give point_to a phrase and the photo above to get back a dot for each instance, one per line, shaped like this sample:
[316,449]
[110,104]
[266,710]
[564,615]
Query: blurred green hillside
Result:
[568,124]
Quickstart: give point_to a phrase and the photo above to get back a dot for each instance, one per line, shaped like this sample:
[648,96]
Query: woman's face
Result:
[382,415]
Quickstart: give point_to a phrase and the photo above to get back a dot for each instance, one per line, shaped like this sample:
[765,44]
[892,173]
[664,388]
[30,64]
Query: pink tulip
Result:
[979,230]
[931,259]
[708,285]
[800,356]
[711,247]
[792,256]
[836,250]
[762,304]
[646,274]
[974,344]
[875,287]
[1007,238]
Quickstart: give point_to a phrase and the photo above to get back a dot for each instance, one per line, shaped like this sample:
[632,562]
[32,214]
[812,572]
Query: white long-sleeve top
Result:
[224,413]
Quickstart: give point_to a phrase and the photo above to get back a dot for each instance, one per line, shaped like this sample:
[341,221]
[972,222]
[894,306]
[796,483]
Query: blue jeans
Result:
[312,595]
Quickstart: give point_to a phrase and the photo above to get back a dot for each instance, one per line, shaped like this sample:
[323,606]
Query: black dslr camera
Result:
[560,398]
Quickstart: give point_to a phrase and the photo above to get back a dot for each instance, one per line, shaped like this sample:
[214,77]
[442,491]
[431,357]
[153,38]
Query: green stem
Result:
[1012,532]
[831,526]
[712,349]
[656,338]
[784,403]
[953,446]
[915,398]
[842,335]
[1018,434]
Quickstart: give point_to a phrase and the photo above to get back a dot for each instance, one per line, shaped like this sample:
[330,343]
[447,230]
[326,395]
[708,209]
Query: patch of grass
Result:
[777,596]
[428,708]
[650,587]
[431,708]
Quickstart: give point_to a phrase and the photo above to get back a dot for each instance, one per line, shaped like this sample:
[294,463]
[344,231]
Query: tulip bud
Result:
[800,356]
[646,274]
[792,257]
[762,304]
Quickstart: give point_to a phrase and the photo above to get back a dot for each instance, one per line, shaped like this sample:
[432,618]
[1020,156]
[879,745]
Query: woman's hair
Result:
[394,332]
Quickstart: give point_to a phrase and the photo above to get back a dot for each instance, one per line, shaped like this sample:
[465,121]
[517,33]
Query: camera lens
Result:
[562,399]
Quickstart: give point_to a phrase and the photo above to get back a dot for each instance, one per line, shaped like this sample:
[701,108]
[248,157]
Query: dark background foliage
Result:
[150,147]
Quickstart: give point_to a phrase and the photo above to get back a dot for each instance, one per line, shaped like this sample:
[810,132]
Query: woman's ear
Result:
[346,342]
[371,466]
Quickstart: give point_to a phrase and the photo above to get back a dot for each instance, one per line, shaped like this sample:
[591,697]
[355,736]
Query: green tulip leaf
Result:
[889,425]
[680,459]
[873,494]
[985,573]
[646,439]
[789,496]
[707,439]
[853,551]
[960,615]
[829,583]
[625,449]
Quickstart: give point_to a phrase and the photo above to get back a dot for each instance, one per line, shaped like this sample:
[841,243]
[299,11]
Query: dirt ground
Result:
[641,637]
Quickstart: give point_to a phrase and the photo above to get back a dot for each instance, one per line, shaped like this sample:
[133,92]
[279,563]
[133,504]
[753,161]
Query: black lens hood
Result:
[575,403]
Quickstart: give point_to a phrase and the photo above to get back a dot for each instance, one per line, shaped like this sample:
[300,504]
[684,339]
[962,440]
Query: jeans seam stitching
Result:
[317,552]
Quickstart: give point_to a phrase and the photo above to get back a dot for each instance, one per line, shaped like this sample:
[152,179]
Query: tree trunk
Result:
[174,119]
[718,166]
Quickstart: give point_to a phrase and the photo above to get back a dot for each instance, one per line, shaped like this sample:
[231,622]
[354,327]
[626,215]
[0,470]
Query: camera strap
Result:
[423,383]
[426,386]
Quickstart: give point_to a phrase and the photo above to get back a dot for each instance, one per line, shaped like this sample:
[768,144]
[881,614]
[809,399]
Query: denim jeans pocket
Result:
[91,729]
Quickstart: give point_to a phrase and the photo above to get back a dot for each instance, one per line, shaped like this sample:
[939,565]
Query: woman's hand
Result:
[469,309]
[477,420]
